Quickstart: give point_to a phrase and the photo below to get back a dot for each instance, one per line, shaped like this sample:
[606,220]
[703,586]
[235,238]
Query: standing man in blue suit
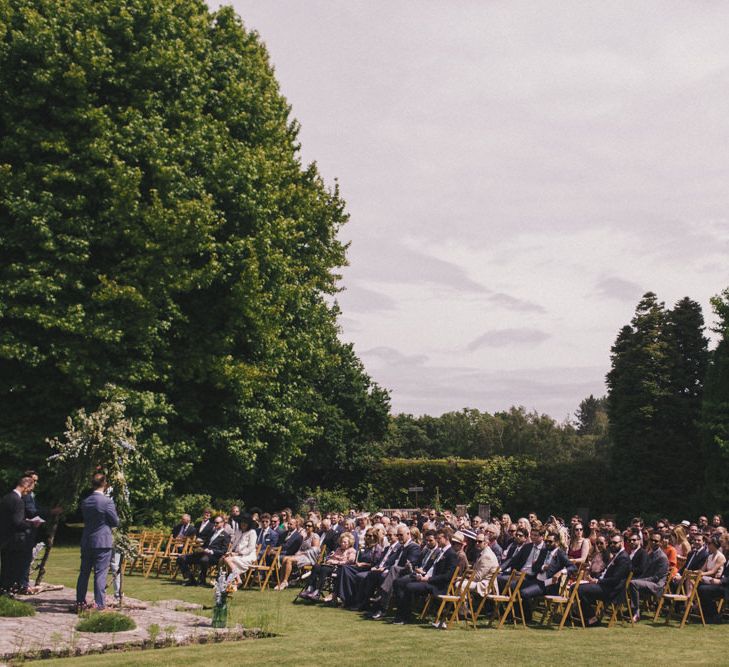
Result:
[100,517]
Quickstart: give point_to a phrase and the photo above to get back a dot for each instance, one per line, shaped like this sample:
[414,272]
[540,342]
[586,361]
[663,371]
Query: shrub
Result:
[108,621]
[15,608]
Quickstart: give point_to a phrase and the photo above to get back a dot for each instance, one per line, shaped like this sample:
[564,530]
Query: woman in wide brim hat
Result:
[244,554]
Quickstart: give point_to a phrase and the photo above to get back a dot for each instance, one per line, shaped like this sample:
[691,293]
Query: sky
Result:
[517,175]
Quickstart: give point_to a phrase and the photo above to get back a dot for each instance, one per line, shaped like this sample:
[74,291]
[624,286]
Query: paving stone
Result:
[51,632]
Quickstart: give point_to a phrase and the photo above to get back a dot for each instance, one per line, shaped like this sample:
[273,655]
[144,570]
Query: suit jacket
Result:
[291,543]
[99,513]
[486,564]
[427,556]
[330,539]
[559,561]
[536,566]
[267,537]
[638,563]
[181,530]
[443,570]
[656,569]
[390,556]
[616,573]
[219,545]
[696,559]
[13,527]
[517,559]
[204,533]
[410,553]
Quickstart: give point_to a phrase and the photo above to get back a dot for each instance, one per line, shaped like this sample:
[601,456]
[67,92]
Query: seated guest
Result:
[352,575]
[680,543]
[234,519]
[405,560]
[484,566]
[579,548]
[609,585]
[457,543]
[267,535]
[492,532]
[506,536]
[344,554]
[544,573]
[212,551]
[670,551]
[307,554]
[415,535]
[291,540]
[243,556]
[435,581]
[710,592]
[714,564]
[600,558]
[696,558]
[652,577]
[184,529]
[637,554]
[329,535]
[469,547]
[515,556]
[205,528]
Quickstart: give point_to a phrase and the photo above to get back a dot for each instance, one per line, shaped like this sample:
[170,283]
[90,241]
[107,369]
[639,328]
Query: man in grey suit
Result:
[100,517]
[653,578]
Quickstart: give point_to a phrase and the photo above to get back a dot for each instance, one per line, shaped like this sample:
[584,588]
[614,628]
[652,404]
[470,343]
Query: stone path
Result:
[51,632]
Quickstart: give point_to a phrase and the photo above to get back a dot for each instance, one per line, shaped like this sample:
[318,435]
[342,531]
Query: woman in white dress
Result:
[244,554]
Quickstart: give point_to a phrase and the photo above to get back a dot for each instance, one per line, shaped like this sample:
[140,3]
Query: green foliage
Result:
[655,393]
[106,621]
[715,412]
[104,440]
[592,416]
[327,500]
[164,246]
[15,608]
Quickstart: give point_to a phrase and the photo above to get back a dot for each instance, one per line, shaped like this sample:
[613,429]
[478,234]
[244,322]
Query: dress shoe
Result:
[377,615]
[397,621]
[191,582]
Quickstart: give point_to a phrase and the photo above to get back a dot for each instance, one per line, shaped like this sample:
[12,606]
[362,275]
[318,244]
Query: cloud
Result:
[393,357]
[391,261]
[504,337]
[358,299]
[618,288]
[512,303]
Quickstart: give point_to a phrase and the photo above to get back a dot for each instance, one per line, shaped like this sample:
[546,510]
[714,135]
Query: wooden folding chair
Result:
[429,597]
[262,554]
[187,547]
[161,553]
[564,601]
[617,607]
[149,548]
[511,597]
[461,588]
[491,588]
[304,569]
[687,598]
[264,571]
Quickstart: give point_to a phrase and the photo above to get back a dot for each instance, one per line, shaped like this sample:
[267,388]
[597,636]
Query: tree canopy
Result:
[162,244]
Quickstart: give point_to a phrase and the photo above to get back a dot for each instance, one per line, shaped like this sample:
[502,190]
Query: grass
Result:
[15,608]
[107,621]
[326,636]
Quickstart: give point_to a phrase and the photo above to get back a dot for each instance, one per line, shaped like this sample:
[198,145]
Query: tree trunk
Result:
[55,520]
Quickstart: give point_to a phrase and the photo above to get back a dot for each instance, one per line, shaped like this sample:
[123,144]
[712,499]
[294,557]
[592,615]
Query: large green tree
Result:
[654,400]
[162,244]
[715,412]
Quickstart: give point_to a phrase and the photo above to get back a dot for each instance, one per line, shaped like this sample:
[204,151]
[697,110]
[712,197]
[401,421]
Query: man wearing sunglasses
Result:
[652,579]
[210,554]
[611,582]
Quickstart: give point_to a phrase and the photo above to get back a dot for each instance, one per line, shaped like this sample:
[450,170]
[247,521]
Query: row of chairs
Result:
[565,605]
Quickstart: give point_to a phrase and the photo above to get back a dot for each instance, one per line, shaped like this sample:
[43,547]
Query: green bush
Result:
[15,608]
[107,621]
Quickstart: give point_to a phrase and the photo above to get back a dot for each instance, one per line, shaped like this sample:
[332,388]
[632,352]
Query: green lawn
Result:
[323,636]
